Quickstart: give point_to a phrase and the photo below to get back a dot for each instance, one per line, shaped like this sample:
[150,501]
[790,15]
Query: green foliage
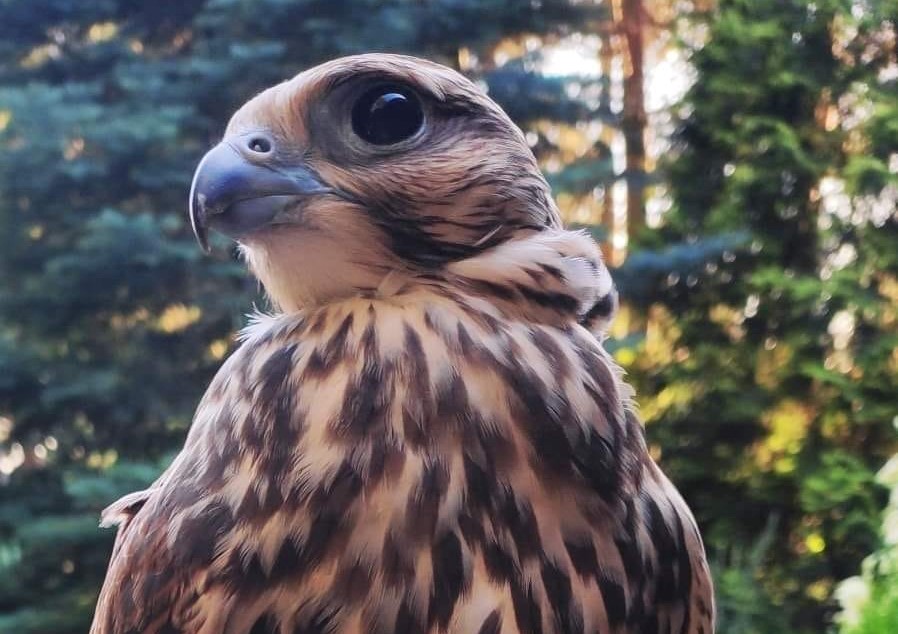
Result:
[874,606]
[882,613]
[646,270]
[869,601]
[769,398]
[52,555]
[742,603]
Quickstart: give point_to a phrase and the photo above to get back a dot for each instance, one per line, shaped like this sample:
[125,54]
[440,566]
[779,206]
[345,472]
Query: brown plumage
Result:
[427,436]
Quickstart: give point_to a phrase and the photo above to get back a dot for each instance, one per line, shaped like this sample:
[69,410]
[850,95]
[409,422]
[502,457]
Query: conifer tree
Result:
[764,368]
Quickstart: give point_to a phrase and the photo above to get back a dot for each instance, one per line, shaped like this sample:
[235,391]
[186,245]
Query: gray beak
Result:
[238,188]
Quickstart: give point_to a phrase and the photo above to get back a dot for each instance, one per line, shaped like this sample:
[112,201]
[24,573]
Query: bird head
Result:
[363,166]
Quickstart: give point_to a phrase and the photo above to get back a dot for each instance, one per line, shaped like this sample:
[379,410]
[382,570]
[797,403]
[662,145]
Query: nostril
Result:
[259,145]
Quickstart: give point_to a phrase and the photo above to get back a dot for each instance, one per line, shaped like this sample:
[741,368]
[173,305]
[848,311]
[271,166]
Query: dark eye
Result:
[387,115]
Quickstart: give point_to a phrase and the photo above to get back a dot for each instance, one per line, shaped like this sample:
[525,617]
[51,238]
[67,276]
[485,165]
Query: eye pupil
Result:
[387,115]
[260,145]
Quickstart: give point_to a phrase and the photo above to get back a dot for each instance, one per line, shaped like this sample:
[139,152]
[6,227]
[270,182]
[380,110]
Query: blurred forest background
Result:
[739,158]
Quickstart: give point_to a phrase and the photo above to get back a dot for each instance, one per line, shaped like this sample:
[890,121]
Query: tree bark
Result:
[632,25]
[606,57]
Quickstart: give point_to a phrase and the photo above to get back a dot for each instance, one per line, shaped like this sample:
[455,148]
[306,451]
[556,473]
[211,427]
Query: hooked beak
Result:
[237,189]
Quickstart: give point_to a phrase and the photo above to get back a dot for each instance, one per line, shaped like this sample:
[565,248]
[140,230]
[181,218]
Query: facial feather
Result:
[465,182]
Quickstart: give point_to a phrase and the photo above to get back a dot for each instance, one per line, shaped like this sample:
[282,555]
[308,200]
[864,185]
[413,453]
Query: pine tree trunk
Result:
[606,57]
[633,126]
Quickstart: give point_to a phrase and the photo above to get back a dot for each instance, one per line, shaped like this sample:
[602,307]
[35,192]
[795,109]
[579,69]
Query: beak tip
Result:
[196,212]
[202,237]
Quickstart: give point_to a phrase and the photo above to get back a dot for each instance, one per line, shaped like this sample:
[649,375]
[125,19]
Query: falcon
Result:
[426,436]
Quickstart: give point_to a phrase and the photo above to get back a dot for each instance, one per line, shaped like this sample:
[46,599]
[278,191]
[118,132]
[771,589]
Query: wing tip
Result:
[124,508]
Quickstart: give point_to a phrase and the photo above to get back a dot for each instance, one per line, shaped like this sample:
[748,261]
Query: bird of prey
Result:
[427,435]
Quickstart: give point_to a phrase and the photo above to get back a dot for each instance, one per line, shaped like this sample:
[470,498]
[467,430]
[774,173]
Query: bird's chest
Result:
[401,464]
[393,395]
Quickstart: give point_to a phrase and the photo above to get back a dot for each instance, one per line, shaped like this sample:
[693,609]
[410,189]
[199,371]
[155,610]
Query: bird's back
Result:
[416,464]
